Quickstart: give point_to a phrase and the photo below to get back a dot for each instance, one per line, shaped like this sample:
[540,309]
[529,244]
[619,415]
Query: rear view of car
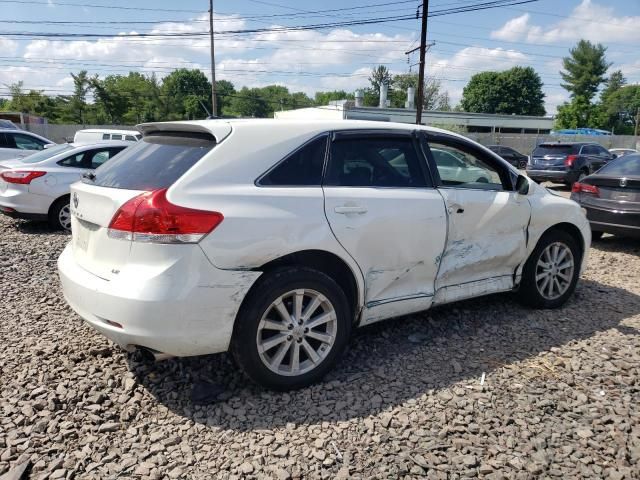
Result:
[566,162]
[37,187]
[611,197]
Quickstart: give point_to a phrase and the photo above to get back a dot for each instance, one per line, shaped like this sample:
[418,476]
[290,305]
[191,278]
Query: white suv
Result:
[272,239]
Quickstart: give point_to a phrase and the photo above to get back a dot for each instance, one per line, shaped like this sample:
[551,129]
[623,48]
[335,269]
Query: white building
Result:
[470,122]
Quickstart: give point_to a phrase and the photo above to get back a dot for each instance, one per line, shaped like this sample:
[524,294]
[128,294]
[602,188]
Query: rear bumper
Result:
[618,222]
[10,212]
[15,201]
[190,309]
[557,176]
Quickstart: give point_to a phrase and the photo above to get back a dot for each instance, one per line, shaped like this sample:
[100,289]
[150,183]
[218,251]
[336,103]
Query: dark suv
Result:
[511,155]
[566,162]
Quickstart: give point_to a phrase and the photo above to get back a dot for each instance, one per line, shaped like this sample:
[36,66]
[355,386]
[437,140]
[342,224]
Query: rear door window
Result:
[155,162]
[301,168]
[553,150]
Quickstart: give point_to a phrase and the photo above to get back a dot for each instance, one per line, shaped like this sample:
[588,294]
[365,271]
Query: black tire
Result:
[528,293]
[55,213]
[268,288]
[596,234]
[522,165]
[482,180]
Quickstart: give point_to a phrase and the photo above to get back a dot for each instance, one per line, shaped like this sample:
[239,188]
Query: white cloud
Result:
[513,29]
[8,47]
[588,20]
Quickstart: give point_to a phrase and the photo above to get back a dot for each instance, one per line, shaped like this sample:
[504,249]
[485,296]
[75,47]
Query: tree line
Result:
[596,101]
[185,94]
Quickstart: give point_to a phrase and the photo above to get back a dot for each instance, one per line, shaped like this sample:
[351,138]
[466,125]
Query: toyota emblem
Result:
[623,182]
[75,200]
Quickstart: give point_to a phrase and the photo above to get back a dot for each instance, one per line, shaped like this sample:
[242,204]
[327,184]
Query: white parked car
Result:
[273,239]
[37,187]
[95,135]
[16,143]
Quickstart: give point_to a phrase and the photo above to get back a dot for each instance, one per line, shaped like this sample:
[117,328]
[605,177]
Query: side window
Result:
[301,168]
[3,141]
[78,160]
[374,162]
[130,138]
[99,157]
[106,136]
[116,137]
[25,142]
[602,151]
[589,150]
[464,168]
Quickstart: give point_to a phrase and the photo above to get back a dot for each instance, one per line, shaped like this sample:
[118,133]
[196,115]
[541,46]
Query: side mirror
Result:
[614,155]
[522,185]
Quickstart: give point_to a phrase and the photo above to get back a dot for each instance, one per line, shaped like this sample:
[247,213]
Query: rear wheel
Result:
[522,164]
[291,329]
[551,273]
[60,214]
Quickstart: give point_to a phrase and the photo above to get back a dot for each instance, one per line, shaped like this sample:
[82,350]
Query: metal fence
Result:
[525,143]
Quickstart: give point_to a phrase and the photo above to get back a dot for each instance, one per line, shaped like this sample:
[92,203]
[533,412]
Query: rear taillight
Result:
[585,188]
[150,217]
[22,177]
[570,159]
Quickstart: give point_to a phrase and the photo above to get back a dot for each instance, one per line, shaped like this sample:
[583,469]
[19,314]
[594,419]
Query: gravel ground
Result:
[560,396]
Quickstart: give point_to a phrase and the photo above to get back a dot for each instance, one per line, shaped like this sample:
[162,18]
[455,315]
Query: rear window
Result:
[47,153]
[155,162]
[542,150]
[624,166]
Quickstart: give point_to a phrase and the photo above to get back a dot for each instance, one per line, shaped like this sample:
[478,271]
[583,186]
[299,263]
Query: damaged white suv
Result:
[273,239]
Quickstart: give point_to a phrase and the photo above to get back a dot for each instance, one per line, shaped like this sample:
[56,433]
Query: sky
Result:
[536,34]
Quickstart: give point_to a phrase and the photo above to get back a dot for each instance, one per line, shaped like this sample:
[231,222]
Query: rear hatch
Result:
[151,164]
[550,156]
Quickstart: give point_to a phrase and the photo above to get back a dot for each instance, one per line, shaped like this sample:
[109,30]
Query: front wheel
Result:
[551,273]
[291,329]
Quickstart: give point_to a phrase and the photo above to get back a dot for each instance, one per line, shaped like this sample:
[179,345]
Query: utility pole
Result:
[213,63]
[423,51]
[637,121]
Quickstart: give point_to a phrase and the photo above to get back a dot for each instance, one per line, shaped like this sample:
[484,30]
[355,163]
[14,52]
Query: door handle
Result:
[346,210]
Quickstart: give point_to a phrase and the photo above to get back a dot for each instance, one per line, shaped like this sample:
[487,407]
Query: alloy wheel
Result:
[554,270]
[64,217]
[296,332]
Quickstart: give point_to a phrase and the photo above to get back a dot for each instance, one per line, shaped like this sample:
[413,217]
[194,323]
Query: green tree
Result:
[584,69]
[583,74]
[74,107]
[379,75]
[621,108]
[182,90]
[515,91]
[434,97]
[323,98]
[224,95]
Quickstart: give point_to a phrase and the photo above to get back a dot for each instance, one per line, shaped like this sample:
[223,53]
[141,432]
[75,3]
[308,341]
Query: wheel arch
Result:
[327,263]
[61,197]
[570,229]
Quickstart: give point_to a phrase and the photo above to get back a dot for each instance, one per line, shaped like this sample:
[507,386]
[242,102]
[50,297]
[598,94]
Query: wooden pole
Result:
[423,51]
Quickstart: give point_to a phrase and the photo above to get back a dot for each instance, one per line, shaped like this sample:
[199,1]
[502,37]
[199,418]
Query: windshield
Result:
[626,166]
[542,150]
[47,153]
